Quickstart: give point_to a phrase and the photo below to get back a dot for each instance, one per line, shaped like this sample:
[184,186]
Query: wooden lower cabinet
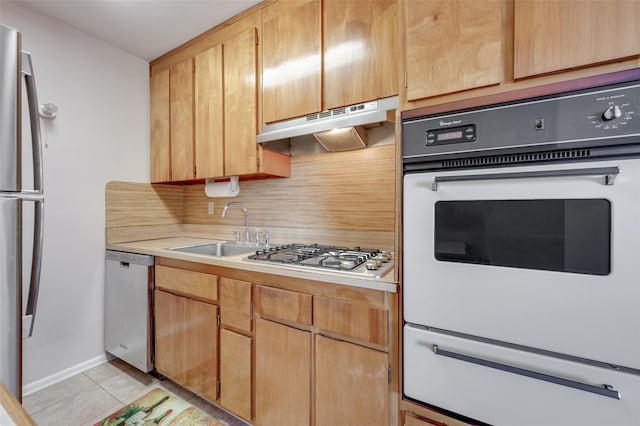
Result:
[235,304]
[430,418]
[187,342]
[315,357]
[351,384]
[235,373]
[283,375]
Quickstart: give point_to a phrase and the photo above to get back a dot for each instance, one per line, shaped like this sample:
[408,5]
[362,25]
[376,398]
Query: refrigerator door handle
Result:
[36,262]
[38,188]
[32,99]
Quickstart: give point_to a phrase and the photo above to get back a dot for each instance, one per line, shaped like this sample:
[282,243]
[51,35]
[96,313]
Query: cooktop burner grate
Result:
[357,260]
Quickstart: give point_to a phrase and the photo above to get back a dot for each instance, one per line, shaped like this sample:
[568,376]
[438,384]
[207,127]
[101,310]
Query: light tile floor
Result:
[87,398]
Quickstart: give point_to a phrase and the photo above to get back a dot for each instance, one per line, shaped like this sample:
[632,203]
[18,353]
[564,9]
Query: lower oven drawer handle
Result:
[609,173]
[605,390]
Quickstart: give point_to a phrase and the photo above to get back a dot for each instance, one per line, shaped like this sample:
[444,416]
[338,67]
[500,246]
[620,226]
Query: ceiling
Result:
[145,28]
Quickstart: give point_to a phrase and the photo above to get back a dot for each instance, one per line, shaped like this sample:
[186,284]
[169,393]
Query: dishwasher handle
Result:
[609,173]
[604,390]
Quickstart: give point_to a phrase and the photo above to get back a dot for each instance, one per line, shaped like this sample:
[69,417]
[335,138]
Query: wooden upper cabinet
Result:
[291,59]
[240,112]
[452,45]
[209,107]
[160,133]
[360,51]
[554,35]
[181,111]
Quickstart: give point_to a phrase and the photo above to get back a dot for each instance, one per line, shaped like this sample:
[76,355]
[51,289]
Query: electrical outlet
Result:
[210,207]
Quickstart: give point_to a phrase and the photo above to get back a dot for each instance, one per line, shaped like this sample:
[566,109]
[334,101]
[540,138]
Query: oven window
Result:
[550,235]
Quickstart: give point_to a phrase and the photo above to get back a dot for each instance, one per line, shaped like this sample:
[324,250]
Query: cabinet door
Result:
[235,304]
[352,386]
[181,101]
[452,45]
[169,312]
[187,342]
[291,59]
[283,375]
[235,373]
[552,35]
[360,51]
[160,134]
[200,348]
[240,101]
[209,110]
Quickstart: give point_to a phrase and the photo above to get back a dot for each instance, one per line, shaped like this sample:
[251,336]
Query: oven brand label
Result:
[449,123]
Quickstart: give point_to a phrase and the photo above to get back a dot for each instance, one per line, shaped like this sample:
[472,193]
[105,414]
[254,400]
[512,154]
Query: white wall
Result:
[101,133]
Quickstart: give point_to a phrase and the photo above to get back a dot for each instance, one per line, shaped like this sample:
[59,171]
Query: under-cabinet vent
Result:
[518,158]
[330,113]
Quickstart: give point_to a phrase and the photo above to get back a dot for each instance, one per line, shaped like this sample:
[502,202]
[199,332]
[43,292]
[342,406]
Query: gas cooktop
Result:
[357,261]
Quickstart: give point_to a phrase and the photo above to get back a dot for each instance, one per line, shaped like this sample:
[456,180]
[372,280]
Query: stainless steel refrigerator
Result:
[15,67]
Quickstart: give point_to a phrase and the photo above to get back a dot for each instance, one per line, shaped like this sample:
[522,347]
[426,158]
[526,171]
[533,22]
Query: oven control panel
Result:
[596,117]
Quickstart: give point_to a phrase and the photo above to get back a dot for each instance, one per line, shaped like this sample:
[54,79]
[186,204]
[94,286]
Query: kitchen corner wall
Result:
[101,134]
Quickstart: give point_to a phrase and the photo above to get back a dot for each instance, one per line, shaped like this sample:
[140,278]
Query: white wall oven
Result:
[521,256]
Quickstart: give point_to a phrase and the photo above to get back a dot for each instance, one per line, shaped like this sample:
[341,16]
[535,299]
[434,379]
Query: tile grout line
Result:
[66,397]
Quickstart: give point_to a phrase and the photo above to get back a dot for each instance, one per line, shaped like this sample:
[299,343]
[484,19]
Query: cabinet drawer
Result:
[235,303]
[497,384]
[191,283]
[362,322]
[284,305]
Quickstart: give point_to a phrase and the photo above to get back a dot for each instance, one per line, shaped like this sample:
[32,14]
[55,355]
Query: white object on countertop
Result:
[222,189]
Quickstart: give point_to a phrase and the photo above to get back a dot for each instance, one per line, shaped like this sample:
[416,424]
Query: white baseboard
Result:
[32,387]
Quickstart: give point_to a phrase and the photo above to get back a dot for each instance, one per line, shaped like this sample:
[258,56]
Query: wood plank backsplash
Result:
[349,191]
[140,211]
[345,198]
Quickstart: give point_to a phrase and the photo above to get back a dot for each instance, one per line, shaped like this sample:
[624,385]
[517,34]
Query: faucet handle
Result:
[266,236]
[237,234]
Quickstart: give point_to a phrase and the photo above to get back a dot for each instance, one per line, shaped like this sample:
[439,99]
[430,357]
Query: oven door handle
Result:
[609,173]
[604,390]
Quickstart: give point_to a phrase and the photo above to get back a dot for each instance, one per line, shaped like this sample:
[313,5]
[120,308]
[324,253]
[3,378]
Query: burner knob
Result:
[383,257]
[372,265]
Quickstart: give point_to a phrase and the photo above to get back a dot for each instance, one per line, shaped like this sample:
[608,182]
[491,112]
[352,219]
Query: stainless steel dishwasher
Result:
[128,330]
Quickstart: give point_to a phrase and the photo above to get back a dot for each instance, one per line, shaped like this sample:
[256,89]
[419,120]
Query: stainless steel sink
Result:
[219,249]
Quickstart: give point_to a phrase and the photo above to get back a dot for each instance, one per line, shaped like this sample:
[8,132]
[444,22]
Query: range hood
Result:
[338,129]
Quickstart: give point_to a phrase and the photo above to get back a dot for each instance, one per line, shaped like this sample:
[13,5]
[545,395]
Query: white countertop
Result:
[160,247]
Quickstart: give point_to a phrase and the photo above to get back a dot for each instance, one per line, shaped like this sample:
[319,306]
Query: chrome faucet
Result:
[247,237]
